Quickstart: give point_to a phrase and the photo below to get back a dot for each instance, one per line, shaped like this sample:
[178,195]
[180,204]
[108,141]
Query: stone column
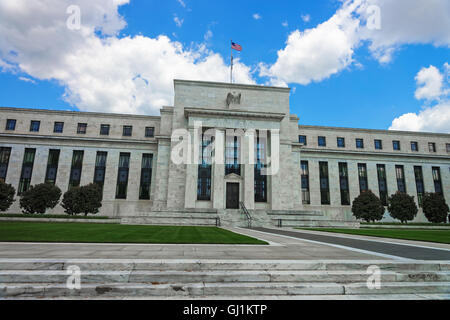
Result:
[391,177]
[334,183]
[134,176]
[353,180]
[247,162]
[161,167]
[314,182]
[15,165]
[40,165]
[428,181]
[410,182]
[218,171]
[190,196]
[372,178]
[87,173]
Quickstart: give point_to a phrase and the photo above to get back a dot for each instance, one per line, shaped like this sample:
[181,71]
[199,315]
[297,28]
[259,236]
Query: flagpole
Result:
[231,73]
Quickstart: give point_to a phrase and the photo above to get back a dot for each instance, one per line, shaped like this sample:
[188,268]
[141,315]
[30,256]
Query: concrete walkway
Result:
[280,248]
[388,247]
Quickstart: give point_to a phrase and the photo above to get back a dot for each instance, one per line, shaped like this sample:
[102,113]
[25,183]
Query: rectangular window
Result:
[11,124]
[400,173]
[306,199]
[414,146]
[122,177]
[5,154]
[322,141]
[343,181]
[359,143]
[149,132]
[146,176]
[58,127]
[232,155]
[324,183]
[341,142]
[100,168]
[382,183]
[205,167]
[448,147]
[260,164]
[432,147]
[396,145]
[362,173]
[303,140]
[27,170]
[75,170]
[378,145]
[104,129]
[52,166]
[34,126]
[419,184]
[437,180]
[82,128]
[127,131]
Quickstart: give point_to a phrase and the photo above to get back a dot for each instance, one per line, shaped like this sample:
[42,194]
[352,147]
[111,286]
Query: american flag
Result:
[235,46]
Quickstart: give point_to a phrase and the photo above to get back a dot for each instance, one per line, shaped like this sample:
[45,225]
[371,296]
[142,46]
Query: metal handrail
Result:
[247,214]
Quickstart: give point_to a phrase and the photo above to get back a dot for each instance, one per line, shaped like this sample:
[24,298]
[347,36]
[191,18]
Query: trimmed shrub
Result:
[435,208]
[7,193]
[367,206]
[86,199]
[39,198]
[402,207]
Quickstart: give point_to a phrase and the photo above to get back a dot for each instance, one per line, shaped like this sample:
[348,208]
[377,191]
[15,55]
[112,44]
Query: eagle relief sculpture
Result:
[233,99]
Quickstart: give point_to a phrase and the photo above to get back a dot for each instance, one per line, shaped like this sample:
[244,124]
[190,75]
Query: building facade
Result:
[220,145]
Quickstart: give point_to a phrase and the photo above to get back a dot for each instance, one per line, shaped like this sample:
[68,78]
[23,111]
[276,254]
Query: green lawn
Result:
[412,224]
[442,236]
[48,216]
[116,233]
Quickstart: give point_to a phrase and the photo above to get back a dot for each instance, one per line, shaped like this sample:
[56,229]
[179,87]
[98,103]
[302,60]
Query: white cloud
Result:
[178,21]
[25,79]
[317,53]
[208,35]
[285,24]
[306,17]
[182,3]
[102,73]
[256,16]
[435,117]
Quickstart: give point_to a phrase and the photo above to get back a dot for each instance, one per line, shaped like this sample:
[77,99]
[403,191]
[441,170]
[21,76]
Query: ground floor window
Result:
[382,183]
[146,176]
[343,181]
[324,183]
[419,184]
[122,178]
[27,170]
[52,166]
[306,199]
[75,171]
[5,153]
[362,173]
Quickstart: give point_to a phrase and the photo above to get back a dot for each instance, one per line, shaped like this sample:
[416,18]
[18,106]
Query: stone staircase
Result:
[222,279]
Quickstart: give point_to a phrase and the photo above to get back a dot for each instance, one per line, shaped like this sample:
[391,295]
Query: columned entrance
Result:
[232,195]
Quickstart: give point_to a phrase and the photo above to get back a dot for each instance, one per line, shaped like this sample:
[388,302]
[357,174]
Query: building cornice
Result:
[391,132]
[230,86]
[274,116]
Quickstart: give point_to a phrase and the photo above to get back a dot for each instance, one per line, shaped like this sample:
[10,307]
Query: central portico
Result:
[238,129]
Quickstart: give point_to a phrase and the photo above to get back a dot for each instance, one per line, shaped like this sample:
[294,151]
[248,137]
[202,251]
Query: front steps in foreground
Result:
[189,279]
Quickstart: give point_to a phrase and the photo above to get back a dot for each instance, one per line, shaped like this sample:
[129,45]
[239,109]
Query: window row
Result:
[378,144]
[363,182]
[58,127]
[76,169]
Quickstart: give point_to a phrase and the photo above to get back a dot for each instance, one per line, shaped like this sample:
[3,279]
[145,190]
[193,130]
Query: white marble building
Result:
[321,169]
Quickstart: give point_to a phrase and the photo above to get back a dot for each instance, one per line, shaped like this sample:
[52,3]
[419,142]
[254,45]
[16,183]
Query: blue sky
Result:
[366,92]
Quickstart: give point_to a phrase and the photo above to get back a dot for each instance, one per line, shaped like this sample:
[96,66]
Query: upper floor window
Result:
[432,147]
[302,140]
[414,146]
[396,145]
[34,126]
[82,128]
[341,142]
[127,131]
[378,145]
[149,132]
[360,143]
[104,129]
[58,127]
[322,141]
[448,147]
[11,124]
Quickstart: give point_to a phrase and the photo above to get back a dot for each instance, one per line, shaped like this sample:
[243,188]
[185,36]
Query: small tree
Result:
[368,206]
[39,198]
[7,193]
[92,198]
[86,199]
[435,208]
[402,207]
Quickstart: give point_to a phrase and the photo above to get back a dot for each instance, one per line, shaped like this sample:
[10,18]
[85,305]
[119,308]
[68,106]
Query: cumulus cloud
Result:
[100,70]
[257,16]
[435,115]
[317,53]
[178,21]
[306,17]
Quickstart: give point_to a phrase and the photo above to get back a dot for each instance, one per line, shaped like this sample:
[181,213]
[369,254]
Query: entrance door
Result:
[232,195]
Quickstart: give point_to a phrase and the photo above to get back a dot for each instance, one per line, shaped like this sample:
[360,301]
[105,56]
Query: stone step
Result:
[39,290]
[160,277]
[171,220]
[219,265]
